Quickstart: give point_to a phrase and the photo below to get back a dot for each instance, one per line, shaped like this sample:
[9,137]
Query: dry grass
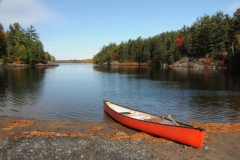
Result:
[47,134]
[20,123]
[134,137]
[221,127]
[96,128]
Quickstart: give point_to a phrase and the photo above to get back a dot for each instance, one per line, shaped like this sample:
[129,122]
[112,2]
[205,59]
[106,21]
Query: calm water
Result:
[76,91]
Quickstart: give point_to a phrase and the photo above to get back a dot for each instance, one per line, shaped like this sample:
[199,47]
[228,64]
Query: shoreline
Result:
[184,62]
[221,140]
[13,65]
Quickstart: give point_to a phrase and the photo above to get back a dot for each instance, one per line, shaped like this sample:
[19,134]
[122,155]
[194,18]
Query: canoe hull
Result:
[185,135]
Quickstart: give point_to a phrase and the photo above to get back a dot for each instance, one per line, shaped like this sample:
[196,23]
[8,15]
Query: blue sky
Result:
[77,29]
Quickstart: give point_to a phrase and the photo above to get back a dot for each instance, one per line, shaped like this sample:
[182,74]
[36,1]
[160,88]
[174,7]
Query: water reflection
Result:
[188,94]
[76,91]
[20,84]
[203,79]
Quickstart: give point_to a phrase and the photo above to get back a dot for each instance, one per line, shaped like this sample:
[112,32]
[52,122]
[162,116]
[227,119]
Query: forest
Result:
[216,37]
[75,61]
[22,46]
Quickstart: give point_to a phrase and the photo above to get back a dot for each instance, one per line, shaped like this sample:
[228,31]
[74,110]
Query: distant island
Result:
[75,61]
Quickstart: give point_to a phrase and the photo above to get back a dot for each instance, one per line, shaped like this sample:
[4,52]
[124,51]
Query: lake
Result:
[76,92]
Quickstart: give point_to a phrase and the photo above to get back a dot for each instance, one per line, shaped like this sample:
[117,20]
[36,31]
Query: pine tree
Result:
[32,34]
[3,45]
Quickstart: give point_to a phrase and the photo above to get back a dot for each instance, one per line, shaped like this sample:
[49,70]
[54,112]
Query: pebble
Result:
[83,148]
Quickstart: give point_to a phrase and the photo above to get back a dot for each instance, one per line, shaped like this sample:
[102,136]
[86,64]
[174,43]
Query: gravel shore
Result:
[82,148]
[36,139]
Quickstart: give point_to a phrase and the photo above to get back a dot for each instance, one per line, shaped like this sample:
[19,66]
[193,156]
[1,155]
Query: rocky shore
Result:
[39,139]
[49,63]
[198,63]
[184,62]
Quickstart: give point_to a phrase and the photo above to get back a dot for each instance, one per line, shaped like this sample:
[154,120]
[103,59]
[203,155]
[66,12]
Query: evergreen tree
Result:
[31,34]
[25,45]
[123,52]
[3,45]
[216,36]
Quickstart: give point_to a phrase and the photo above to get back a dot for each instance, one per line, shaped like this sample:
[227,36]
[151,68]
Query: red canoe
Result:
[162,127]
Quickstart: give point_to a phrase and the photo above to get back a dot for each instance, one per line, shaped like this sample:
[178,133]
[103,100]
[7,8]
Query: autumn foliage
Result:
[3,34]
[180,41]
[19,45]
[211,35]
[207,60]
[18,60]
[116,57]
[47,56]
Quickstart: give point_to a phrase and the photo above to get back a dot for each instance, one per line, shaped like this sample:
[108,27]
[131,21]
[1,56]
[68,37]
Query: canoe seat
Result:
[124,113]
[155,119]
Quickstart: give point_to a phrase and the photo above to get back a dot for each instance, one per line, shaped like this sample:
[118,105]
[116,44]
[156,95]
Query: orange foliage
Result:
[3,34]
[47,56]
[18,61]
[180,41]
[116,56]
[207,60]
[225,53]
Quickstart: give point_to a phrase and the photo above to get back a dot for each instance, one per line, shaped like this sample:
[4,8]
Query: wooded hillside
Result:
[216,36]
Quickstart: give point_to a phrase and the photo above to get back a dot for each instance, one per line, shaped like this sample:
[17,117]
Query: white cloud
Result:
[234,5]
[25,12]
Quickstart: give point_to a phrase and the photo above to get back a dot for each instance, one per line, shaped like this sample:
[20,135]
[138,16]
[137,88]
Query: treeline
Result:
[22,46]
[216,36]
[75,61]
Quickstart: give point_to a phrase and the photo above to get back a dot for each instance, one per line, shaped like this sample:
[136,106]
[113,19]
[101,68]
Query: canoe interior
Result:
[139,115]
